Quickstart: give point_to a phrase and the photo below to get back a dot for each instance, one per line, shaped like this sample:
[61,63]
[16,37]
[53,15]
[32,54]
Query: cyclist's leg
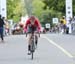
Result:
[29,38]
[29,44]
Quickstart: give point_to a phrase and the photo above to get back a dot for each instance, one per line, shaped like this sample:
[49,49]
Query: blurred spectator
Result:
[1,28]
[44,31]
[70,20]
[63,25]
[6,27]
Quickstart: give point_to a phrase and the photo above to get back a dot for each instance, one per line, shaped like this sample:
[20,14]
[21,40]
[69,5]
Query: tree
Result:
[15,9]
[43,9]
[74,7]
[58,6]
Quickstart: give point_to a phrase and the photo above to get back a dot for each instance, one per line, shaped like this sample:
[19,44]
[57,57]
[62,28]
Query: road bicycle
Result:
[33,46]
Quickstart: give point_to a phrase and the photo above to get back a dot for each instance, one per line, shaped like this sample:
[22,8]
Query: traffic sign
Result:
[55,20]
[47,25]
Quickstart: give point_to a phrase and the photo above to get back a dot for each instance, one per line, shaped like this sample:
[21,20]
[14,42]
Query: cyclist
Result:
[31,25]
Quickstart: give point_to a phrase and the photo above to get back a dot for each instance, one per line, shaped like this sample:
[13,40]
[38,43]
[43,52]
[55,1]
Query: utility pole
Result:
[3,10]
[69,13]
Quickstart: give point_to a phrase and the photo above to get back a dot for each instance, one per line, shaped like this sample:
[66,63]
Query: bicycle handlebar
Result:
[33,32]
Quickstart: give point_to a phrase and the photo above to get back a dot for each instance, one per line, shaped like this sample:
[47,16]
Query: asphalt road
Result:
[52,49]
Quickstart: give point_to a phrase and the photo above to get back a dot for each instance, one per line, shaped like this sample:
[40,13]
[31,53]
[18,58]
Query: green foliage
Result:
[15,9]
[45,10]
[74,7]
[38,7]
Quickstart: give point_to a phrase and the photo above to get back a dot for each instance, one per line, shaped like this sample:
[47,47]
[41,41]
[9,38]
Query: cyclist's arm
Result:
[26,24]
[25,28]
[39,26]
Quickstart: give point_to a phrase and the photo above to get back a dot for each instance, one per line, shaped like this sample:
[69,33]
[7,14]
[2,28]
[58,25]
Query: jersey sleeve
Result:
[26,24]
[39,25]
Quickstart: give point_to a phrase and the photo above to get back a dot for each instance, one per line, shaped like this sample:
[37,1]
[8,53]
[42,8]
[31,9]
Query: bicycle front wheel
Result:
[32,55]
[32,49]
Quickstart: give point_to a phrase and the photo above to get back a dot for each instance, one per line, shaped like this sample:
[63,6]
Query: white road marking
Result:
[58,46]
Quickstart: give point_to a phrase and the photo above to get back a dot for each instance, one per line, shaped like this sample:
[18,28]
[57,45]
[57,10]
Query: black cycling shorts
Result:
[31,29]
